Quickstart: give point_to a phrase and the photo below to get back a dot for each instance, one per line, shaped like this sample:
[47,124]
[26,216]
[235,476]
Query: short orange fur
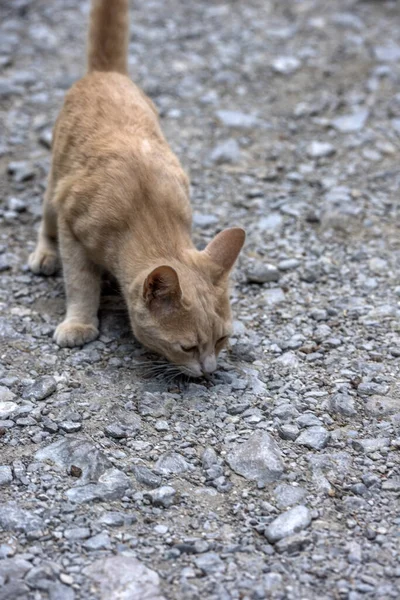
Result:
[118,200]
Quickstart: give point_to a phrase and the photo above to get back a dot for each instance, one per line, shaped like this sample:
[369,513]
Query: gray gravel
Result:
[280,478]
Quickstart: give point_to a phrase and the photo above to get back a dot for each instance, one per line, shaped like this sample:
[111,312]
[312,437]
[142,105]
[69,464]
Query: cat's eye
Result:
[189,348]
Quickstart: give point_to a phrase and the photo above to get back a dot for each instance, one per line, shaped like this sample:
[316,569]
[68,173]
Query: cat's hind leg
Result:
[82,280]
[44,259]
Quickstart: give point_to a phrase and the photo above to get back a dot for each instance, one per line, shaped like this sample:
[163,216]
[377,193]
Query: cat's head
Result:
[181,310]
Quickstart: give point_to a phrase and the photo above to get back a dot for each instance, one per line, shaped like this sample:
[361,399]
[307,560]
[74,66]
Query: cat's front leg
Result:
[82,280]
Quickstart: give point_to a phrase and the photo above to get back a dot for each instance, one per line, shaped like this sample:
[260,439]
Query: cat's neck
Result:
[140,255]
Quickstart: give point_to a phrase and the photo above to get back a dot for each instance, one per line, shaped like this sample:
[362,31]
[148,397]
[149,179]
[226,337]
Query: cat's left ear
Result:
[161,288]
[225,247]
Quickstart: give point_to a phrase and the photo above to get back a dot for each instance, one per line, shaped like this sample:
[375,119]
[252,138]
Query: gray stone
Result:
[273,296]
[288,523]
[391,485]
[308,420]
[14,518]
[272,223]
[6,475]
[258,458]
[382,406]
[77,533]
[153,405]
[209,563]
[288,264]
[209,458]
[112,519]
[262,273]
[352,122]
[171,463]
[58,591]
[45,138]
[342,404]
[78,452]
[389,52]
[124,577]
[101,541]
[116,431]
[286,65]
[320,149]
[236,119]
[293,543]
[42,388]
[204,221]
[146,476]
[164,496]
[7,409]
[70,426]
[314,438]
[6,395]
[16,204]
[14,568]
[369,445]
[111,485]
[288,495]
[288,431]
[226,152]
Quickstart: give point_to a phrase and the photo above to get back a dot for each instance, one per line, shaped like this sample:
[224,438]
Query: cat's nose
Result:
[209,364]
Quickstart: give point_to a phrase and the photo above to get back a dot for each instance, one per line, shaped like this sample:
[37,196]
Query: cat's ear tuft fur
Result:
[225,247]
[161,287]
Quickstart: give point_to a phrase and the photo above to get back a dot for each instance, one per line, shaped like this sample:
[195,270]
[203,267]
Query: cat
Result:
[117,200]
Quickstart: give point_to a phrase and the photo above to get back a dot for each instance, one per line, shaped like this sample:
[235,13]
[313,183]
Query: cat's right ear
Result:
[225,247]
[161,288]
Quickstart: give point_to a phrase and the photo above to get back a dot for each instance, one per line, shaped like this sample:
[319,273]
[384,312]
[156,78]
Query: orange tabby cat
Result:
[118,200]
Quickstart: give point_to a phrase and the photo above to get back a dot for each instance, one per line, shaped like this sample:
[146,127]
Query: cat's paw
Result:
[43,262]
[69,334]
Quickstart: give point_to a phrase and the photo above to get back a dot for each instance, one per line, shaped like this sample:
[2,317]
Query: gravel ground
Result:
[279,479]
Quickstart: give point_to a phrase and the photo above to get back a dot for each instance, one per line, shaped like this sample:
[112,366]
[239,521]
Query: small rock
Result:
[101,541]
[209,458]
[6,476]
[320,149]
[209,563]
[16,205]
[233,118]
[172,463]
[286,65]
[369,445]
[288,431]
[271,223]
[46,138]
[146,476]
[153,405]
[70,426]
[6,395]
[273,296]
[124,577]
[288,523]
[382,406]
[112,519]
[116,431]
[226,152]
[13,518]
[204,221]
[352,122]
[288,264]
[163,496]
[293,543]
[112,485]
[42,388]
[161,425]
[7,409]
[288,495]
[258,458]
[262,273]
[389,52]
[392,485]
[314,438]
[77,533]
[342,404]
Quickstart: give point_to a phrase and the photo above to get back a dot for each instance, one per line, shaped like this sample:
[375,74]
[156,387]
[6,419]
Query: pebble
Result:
[382,406]
[315,438]
[171,463]
[8,409]
[292,521]
[236,119]
[209,563]
[273,296]
[288,431]
[352,122]
[164,496]
[111,485]
[258,458]
[389,52]
[262,273]
[123,577]
[6,396]
[101,541]
[286,65]
[226,152]
[342,404]
[369,445]
[14,518]
[320,149]
[288,264]
[70,426]
[41,389]
[288,495]
[6,476]
[146,476]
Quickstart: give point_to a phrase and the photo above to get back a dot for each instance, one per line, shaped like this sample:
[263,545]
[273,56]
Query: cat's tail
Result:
[108,36]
